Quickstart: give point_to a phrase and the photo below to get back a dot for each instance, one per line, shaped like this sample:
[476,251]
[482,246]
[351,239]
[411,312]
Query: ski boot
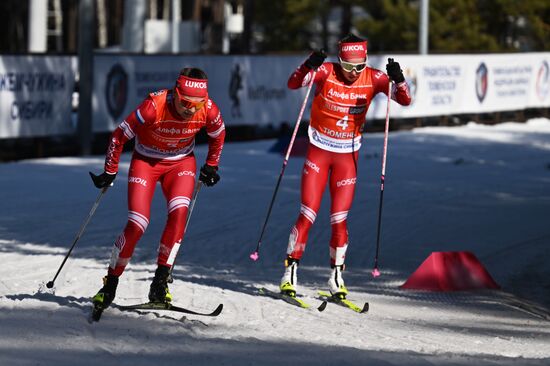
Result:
[105,296]
[158,291]
[290,278]
[336,282]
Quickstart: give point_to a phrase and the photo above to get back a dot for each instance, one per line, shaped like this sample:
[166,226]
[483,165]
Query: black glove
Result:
[316,59]
[103,180]
[209,175]
[394,71]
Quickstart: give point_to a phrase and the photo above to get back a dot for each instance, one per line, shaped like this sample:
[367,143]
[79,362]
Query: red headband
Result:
[353,50]
[192,87]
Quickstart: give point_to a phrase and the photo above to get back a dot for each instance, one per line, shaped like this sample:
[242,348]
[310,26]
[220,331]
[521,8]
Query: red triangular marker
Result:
[450,271]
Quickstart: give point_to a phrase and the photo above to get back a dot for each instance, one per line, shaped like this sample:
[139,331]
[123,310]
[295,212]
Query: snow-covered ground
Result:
[484,189]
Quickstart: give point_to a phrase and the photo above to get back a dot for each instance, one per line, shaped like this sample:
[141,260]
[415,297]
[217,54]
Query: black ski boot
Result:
[159,287]
[106,294]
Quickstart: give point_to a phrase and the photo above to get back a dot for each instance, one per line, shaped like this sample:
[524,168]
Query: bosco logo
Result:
[346,182]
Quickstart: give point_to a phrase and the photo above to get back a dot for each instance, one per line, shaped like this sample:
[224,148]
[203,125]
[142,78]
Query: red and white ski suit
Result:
[164,143]
[337,119]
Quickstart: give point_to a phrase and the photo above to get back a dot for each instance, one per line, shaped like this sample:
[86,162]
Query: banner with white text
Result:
[249,90]
[36,96]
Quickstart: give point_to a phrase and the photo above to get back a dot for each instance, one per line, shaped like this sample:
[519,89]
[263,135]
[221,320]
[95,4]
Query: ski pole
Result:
[191,205]
[375,271]
[82,228]
[255,255]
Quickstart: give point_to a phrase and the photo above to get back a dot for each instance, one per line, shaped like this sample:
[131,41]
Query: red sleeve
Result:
[302,76]
[215,129]
[126,131]
[400,92]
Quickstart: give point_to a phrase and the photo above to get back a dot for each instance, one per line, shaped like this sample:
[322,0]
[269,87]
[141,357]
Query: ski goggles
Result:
[188,103]
[350,66]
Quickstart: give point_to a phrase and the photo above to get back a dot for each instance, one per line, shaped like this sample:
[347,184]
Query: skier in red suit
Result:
[343,93]
[164,127]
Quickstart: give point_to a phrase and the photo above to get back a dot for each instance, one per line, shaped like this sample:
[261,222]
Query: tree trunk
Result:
[346,20]
[102,35]
[153,7]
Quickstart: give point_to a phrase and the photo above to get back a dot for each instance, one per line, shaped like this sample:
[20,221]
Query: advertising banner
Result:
[437,85]
[252,89]
[459,84]
[36,95]
[36,91]
[249,90]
